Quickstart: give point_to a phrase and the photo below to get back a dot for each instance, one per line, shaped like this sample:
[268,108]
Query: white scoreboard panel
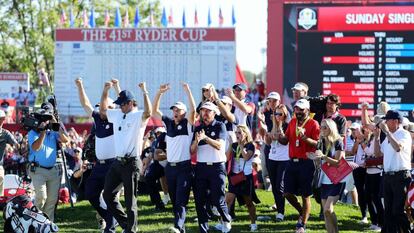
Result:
[154,55]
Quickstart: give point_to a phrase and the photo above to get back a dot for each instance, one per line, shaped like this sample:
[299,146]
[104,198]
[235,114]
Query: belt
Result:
[392,173]
[209,163]
[126,160]
[105,161]
[48,168]
[296,160]
[179,163]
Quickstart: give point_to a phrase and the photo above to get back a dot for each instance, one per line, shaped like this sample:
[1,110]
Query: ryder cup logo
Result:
[307,18]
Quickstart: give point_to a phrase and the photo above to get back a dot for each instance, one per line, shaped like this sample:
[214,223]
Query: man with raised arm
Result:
[104,151]
[178,171]
[129,127]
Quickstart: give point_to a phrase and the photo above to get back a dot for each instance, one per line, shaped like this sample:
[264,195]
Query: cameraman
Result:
[45,172]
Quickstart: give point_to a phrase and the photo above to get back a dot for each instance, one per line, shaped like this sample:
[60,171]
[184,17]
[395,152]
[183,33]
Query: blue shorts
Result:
[332,190]
[298,177]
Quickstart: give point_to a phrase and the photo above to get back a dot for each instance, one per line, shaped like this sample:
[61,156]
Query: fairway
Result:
[82,218]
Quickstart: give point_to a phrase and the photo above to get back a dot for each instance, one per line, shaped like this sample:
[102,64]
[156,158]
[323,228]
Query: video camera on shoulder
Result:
[31,119]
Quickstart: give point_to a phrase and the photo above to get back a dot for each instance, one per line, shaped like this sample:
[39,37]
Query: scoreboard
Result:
[154,55]
[361,53]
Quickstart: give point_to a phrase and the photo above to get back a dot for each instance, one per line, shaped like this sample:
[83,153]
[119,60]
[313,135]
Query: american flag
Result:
[170,17]
[221,19]
[126,19]
[85,19]
[62,18]
[195,18]
[107,18]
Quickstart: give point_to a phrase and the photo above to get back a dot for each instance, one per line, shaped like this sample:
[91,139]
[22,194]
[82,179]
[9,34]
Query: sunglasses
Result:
[238,132]
[205,90]
[237,89]
[324,127]
[278,114]
[123,118]
[124,103]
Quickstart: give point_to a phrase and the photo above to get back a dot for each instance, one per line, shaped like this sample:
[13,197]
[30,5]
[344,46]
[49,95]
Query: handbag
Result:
[239,177]
[374,161]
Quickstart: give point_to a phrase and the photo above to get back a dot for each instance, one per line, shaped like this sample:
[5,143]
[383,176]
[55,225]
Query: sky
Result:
[251,25]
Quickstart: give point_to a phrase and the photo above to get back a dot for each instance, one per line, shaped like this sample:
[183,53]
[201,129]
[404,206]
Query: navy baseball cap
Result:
[241,86]
[393,115]
[124,96]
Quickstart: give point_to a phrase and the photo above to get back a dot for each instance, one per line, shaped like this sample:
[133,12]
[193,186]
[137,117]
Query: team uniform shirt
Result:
[178,139]
[128,132]
[238,161]
[206,153]
[268,120]
[46,155]
[5,138]
[311,131]
[369,153]
[242,117]
[397,161]
[230,128]
[330,152]
[348,145]
[278,151]
[104,137]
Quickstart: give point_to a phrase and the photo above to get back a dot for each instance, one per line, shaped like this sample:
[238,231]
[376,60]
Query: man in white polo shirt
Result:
[210,172]
[178,171]
[396,149]
[129,126]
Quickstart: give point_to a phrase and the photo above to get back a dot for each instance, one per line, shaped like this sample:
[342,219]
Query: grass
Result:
[82,218]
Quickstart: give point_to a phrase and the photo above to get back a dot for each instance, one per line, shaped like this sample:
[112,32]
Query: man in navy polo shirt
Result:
[210,173]
[104,150]
[44,171]
[178,171]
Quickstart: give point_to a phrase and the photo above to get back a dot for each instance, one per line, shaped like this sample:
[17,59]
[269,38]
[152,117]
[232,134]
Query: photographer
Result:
[396,149]
[44,171]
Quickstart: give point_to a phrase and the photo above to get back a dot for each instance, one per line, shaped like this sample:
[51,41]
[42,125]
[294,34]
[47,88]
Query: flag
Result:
[184,23]
[62,20]
[107,18]
[164,18]
[151,17]
[92,19]
[85,19]
[170,17]
[126,19]
[71,19]
[233,16]
[221,20]
[195,18]
[137,18]
[117,18]
[209,17]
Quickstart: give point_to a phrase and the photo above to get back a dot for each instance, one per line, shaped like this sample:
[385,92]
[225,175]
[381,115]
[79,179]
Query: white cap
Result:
[179,105]
[302,104]
[78,149]
[160,130]
[273,95]
[210,106]
[300,87]
[226,100]
[355,125]
[405,121]
[2,114]
[207,86]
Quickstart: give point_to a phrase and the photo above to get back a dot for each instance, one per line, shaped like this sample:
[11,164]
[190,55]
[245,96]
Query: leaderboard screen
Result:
[361,53]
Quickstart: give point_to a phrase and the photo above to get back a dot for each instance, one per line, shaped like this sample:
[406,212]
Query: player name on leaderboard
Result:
[363,54]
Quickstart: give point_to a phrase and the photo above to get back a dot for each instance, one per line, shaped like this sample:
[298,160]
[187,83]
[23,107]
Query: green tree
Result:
[27,29]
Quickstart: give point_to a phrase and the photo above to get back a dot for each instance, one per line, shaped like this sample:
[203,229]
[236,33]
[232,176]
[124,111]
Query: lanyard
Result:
[238,153]
[304,123]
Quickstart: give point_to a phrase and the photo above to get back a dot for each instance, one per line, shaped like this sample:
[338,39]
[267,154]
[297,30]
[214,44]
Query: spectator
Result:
[31,98]
[302,135]
[396,149]
[330,150]
[240,156]
[244,109]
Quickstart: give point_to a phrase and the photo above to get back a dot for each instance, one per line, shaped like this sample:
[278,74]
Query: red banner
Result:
[146,34]
[375,18]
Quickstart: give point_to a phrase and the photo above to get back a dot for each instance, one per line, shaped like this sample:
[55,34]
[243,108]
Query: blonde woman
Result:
[240,156]
[330,149]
